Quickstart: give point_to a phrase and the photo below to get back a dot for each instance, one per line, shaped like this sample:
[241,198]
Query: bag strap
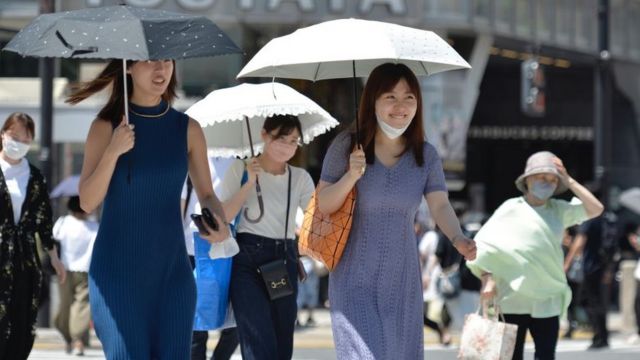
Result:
[189,192]
[286,224]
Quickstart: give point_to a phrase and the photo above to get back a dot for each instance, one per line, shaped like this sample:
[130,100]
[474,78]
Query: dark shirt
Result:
[600,245]
[448,255]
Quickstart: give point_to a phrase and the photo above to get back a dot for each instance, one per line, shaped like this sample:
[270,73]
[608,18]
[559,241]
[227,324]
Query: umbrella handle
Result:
[260,206]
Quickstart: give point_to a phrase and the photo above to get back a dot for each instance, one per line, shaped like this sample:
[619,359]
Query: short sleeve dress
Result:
[375,291]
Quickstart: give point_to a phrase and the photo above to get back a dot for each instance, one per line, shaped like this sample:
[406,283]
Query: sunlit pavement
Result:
[316,343]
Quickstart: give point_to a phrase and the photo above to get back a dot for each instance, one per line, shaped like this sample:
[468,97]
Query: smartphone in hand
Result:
[209,219]
[198,220]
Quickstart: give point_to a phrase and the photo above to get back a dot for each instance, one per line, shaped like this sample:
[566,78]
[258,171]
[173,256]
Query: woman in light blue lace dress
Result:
[375,291]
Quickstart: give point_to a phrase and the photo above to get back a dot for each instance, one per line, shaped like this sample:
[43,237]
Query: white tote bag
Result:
[485,338]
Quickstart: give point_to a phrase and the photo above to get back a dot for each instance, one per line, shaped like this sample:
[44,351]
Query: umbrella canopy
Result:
[121,32]
[226,112]
[352,47]
[630,199]
[67,187]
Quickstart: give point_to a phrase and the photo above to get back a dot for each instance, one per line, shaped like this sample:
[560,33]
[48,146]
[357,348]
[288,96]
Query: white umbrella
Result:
[67,187]
[630,199]
[352,48]
[233,119]
[334,49]
[222,115]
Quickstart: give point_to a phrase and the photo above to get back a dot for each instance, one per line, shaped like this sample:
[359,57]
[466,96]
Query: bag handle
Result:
[483,309]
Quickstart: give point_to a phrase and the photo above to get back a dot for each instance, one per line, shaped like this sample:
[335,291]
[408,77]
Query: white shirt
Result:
[76,241]
[427,247]
[274,195]
[217,167]
[17,178]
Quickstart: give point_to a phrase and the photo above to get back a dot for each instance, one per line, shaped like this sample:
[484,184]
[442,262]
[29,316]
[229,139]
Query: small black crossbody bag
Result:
[274,273]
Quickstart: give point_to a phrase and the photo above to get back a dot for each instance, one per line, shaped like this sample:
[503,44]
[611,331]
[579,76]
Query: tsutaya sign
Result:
[333,7]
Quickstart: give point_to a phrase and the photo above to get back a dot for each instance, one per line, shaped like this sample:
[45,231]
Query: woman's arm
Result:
[446,219]
[101,152]
[592,205]
[201,178]
[332,196]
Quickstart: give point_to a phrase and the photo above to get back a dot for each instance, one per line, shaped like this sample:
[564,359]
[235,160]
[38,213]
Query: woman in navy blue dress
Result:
[141,287]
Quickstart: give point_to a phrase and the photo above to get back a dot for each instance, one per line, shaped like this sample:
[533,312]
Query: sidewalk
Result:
[317,337]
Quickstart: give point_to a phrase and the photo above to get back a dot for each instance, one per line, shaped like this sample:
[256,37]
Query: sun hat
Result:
[540,163]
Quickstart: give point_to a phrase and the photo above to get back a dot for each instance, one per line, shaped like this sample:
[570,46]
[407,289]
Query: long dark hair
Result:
[382,79]
[21,119]
[112,75]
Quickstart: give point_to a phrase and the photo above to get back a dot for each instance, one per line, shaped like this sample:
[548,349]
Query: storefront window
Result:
[450,9]
[619,28]
[586,16]
[565,21]
[544,19]
[524,18]
[504,15]
[634,30]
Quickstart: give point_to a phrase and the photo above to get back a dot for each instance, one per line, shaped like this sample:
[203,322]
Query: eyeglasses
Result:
[285,140]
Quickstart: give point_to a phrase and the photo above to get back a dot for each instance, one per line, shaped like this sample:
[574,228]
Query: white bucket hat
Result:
[540,163]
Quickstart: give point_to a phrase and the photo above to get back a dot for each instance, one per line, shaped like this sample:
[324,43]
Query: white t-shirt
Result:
[427,247]
[274,195]
[76,241]
[217,167]
[17,178]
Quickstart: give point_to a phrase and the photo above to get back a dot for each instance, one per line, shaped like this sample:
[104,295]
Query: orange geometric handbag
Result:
[323,237]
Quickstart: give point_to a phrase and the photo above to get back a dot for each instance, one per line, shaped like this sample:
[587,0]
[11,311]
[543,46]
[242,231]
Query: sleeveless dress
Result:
[376,291]
[141,287]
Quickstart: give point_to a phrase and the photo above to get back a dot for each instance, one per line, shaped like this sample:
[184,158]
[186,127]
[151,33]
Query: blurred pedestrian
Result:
[308,291]
[375,290]
[228,339]
[520,257]
[266,325]
[595,240]
[76,234]
[433,304]
[140,282]
[466,298]
[573,268]
[26,213]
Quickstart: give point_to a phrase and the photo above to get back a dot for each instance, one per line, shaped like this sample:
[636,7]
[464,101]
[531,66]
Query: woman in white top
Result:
[265,326]
[76,233]
[25,212]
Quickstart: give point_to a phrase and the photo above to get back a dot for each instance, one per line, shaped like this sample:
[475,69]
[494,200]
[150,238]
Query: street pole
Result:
[45,70]
[602,106]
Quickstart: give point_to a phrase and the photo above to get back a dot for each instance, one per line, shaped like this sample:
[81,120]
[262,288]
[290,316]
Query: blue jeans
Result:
[265,327]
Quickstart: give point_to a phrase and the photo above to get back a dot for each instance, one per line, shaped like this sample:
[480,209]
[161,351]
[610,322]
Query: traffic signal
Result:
[532,95]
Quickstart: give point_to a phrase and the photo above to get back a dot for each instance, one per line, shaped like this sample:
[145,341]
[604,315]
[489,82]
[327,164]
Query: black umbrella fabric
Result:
[121,32]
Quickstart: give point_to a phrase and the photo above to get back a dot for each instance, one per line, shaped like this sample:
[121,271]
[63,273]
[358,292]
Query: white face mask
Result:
[542,190]
[14,150]
[389,130]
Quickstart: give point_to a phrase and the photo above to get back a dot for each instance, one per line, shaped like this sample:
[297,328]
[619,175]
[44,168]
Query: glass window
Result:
[634,30]
[618,26]
[482,11]
[565,21]
[448,8]
[524,17]
[544,19]
[504,15]
[586,18]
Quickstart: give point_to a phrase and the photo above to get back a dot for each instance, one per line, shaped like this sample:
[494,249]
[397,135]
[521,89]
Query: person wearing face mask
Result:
[265,326]
[376,290]
[520,257]
[25,213]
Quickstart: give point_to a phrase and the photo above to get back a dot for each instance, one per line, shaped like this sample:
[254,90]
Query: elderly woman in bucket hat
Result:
[520,259]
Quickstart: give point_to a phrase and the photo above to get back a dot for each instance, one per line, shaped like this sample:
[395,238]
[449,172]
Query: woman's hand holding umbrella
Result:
[253,169]
[357,163]
[122,139]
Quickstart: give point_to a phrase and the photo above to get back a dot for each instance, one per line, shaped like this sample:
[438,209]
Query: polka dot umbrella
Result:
[121,32]
[346,48]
